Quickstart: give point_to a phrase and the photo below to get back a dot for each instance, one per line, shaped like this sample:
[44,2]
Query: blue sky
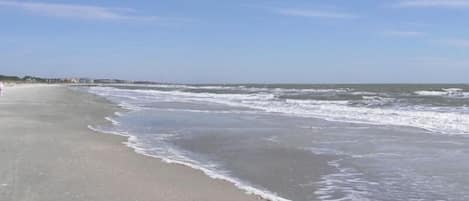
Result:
[201,41]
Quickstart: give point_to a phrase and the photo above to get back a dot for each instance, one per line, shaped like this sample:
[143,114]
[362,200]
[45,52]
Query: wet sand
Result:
[48,153]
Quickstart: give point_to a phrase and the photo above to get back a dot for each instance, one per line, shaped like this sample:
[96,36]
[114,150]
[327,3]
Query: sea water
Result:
[306,142]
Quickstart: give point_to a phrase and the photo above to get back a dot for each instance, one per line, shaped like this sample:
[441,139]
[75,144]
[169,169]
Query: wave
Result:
[435,119]
[113,121]
[431,93]
[443,122]
[175,156]
[347,181]
[98,130]
[376,101]
[243,88]
[448,92]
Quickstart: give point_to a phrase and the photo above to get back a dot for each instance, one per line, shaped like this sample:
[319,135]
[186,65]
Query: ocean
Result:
[305,142]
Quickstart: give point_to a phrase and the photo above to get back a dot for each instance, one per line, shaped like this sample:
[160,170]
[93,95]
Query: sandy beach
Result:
[48,153]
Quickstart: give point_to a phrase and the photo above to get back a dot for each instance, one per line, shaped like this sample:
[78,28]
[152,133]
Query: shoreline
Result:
[67,161]
[131,143]
[249,190]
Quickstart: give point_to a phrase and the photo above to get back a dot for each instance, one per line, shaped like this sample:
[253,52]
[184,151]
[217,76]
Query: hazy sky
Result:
[315,41]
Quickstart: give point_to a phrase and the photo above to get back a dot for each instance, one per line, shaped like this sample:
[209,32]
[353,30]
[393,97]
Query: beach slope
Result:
[48,153]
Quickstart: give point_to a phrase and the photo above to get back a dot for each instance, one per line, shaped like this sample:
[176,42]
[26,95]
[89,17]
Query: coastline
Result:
[50,154]
[133,142]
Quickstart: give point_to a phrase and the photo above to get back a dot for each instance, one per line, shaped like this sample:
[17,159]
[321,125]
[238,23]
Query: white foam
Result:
[251,88]
[431,93]
[98,130]
[113,121]
[273,139]
[435,119]
[364,93]
[129,106]
[346,182]
[210,111]
[452,90]
[448,92]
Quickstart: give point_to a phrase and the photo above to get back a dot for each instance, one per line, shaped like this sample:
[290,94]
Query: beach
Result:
[234,142]
[48,152]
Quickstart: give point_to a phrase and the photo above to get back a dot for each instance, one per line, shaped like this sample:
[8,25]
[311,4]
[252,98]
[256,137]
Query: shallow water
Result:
[308,142]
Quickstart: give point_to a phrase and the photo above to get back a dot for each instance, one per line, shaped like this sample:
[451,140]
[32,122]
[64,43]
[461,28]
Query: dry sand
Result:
[47,153]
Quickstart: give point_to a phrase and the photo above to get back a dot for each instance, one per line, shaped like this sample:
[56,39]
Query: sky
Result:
[238,41]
